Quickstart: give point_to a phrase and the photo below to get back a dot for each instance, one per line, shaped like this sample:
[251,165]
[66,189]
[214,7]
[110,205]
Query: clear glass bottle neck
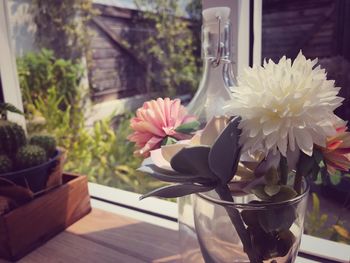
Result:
[217,78]
[217,40]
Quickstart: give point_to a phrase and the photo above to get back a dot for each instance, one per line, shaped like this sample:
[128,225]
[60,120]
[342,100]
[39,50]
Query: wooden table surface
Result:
[105,237]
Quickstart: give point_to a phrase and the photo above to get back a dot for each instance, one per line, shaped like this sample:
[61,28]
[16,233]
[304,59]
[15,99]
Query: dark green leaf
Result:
[325,176]
[168,176]
[193,160]
[224,154]
[318,180]
[272,176]
[177,190]
[335,178]
[305,164]
[318,156]
[285,242]
[272,190]
[276,219]
[4,107]
[169,140]
[315,171]
[259,191]
[285,193]
[188,127]
[284,170]
[250,217]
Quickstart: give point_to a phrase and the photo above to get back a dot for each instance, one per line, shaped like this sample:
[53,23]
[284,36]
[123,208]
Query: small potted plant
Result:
[28,162]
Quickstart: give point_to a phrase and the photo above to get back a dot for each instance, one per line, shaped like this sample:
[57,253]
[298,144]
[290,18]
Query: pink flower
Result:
[156,120]
[337,151]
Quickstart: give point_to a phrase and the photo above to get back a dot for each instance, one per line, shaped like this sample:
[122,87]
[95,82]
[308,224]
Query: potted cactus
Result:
[26,162]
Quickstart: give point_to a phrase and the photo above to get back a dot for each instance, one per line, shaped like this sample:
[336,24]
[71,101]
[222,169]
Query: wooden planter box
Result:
[29,226]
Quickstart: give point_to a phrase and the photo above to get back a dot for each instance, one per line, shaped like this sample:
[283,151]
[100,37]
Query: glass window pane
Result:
[320,29]
[85,66]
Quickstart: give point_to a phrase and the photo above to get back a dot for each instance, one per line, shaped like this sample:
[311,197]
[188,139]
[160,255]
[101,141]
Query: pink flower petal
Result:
[152,144]
[155,120]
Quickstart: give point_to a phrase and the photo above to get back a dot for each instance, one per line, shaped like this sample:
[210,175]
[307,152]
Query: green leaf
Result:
[259,191]
[335,179]
[324,218]
[188,127]
[177,190]
[318,180]
[315,203]
[286,241]
[169,140]
[284,170]
[193,160]
[272,190]
[166,176]
[224,154]
[305,164]
[285,193]
[315,171]
[317,154]
[277,219]
[4,107]
[250,217]
[271,176]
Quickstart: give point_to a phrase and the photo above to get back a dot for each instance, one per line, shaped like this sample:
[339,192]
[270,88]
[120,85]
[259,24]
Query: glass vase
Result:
[208,235]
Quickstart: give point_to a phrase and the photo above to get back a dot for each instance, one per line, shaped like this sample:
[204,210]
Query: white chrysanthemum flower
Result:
[285,106]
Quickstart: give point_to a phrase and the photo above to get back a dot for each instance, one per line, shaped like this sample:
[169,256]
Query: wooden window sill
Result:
[122,229]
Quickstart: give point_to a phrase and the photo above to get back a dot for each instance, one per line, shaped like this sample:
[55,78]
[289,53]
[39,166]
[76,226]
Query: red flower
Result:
[337,152]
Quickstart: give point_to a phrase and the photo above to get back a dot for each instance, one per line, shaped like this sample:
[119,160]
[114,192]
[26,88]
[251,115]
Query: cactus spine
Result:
[30,155]
[47,142]
[5,164]
[12,137]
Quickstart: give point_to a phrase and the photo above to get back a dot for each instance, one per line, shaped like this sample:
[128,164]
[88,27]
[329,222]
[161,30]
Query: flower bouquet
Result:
[249,168]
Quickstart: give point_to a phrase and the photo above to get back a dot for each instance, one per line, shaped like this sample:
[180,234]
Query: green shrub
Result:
[39,72]
[53,105]
[100,152]
[322,225]
[168,47]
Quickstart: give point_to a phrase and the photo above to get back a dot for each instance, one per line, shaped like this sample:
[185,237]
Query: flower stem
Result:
[206,255]
[235,217]
[284,170]
[298,182]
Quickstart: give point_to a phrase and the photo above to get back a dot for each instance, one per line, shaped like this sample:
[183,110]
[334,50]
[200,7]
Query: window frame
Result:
[8,70]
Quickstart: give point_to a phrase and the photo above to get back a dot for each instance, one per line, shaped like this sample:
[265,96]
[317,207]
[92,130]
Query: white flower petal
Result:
[304,141]
[285,106]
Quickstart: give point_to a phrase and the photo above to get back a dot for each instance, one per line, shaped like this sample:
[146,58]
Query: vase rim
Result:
[257,206]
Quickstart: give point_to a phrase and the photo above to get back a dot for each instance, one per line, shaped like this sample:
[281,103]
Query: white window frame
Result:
[8,68]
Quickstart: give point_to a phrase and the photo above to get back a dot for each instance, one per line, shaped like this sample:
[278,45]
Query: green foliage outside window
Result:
[100,152]
[62,26]
[167,47]
[322,225]
[38,72]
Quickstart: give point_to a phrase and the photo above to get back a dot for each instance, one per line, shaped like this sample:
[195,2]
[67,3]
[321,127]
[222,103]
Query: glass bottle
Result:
[217,78]
[214,90]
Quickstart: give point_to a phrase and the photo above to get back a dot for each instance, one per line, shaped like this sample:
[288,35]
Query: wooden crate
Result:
[29,226]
